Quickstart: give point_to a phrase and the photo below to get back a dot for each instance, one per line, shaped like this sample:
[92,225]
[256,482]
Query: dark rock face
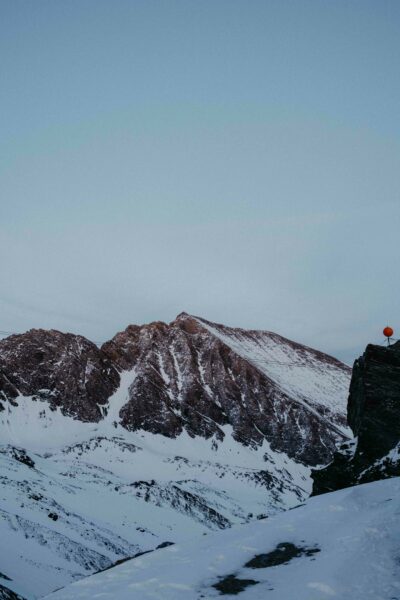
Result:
[232,585]
[192,376]
[374,402]
[374,416]
[18,454]
[64,369]
[282,555]
[6,594]
[188,379]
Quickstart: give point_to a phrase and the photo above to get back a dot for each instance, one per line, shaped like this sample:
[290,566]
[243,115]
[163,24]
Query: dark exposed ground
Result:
[282,554]
[6,594]
[232,585]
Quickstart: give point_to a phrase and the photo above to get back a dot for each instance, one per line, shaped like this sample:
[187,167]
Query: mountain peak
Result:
[182,315]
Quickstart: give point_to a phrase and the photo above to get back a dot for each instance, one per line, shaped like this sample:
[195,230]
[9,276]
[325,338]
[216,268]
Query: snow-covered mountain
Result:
[164,433]
[343,545]
[7,594]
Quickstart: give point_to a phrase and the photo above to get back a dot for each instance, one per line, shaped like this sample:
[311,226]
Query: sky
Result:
[238,160]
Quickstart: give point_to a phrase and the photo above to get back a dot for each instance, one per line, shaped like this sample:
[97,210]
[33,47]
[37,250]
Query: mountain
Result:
[7,594]
[196,376]
[374,416]
[65,370]
[164,433]
[343,545]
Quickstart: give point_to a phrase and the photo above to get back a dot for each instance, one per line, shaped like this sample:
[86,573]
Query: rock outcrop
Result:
[197,376]
[6,594]
[374,416]
[66,370]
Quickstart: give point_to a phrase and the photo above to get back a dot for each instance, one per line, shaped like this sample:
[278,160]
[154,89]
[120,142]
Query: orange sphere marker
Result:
[388,332]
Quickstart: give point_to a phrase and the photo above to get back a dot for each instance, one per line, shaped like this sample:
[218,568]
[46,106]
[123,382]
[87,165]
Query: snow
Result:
[299,372]
[354,532]
[86,473]
[202,371]
[32,424]
[120,397]
[179,376]
[163,372]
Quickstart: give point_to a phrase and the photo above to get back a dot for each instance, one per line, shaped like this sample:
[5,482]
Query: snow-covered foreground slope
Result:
[344,545]
[76,497]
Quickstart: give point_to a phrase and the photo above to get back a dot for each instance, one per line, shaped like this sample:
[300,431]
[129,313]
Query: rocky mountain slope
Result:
[190,375]
[166,432]
[374,416]
[197,376]
[63,369]
[7,594]
[343,545]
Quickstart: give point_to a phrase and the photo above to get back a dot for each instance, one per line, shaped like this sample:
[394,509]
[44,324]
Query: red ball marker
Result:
[388,332]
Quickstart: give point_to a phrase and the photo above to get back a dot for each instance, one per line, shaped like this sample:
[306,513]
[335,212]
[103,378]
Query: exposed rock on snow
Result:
[6,594]
[231,585]
[282,555]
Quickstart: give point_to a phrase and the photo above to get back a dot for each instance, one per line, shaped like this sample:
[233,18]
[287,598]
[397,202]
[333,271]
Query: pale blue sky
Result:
[239,160]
